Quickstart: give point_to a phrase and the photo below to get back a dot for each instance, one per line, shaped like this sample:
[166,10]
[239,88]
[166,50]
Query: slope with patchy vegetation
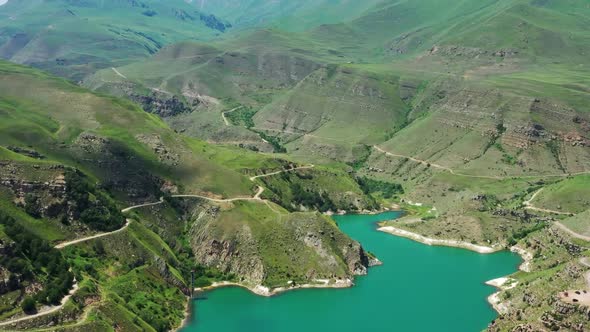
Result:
[72,159]
[75,38]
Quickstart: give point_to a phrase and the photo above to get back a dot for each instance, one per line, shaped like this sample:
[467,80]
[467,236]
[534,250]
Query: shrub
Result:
[34,259]
[101,213]
[32,206]
[387,189]
[29,305]
[202,282]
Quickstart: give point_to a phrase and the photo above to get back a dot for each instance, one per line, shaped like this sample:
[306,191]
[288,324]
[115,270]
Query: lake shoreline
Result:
[187,315]
[439,242]
[260,291]
[268,292]
[493,299]
[523,253]
[500,283]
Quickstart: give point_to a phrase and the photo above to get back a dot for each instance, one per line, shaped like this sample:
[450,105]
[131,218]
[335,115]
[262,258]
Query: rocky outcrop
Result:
[26,152]
[355,258]
[166,274]
[297,248]
[163,105]
[471,52]
[39,189]
[231,253]
[164,154]
[213,22]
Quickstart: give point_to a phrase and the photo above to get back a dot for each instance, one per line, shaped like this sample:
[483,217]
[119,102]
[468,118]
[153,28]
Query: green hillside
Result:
[286,15]
[72,159]
[394,29]
[75,38]
[471,116]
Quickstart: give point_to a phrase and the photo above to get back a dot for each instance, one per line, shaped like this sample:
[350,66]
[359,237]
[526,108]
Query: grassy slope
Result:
[569,195]
[342,190]
[579,223]
[287,15]
[260,234]
[339,109]
[39,119]
[461,106]
[250,69]
[49,121]
[112,140]
[459,95]
[87,36]
[471,109]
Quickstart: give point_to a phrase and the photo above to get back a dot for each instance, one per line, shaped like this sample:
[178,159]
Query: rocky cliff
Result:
[263,247]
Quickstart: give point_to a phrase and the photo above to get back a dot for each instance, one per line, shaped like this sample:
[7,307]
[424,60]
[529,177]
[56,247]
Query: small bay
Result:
[418,288]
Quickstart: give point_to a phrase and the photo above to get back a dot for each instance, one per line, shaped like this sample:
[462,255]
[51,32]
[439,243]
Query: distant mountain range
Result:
[472,116]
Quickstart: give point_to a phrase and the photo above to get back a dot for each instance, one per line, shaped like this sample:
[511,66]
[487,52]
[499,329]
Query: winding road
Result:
[256,197]
[529,206]
[225,120]
[97,236]
[118,73]
[253,178]
[452,171]
[572,233]
[42,313]
[143,205]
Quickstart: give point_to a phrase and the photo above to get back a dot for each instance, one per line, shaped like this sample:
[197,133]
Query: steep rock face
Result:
[40,189]
[268,250]
[235,253]
[356,258]
[164,106]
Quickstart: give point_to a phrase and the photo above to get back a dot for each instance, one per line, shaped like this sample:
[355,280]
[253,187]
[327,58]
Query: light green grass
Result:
[570,195]
[98,35]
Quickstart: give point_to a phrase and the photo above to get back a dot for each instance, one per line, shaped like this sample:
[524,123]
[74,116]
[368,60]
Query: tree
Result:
[29,305]
[54,296]
[13,283]
[99,248]
[32,206]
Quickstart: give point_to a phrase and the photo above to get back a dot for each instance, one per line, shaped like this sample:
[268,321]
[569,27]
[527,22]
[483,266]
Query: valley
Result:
[384,289]
[151,147]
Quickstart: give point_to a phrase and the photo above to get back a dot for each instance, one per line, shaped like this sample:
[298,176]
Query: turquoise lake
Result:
[418,288]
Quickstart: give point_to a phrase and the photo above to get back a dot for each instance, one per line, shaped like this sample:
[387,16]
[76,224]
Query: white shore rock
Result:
[502,284]
[527,258]
[438,242]
[265,291]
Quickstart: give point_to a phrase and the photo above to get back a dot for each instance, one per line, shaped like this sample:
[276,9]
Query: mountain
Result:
[73,38]
[71,160]
[400,47]
[471,116]
[287,15]
[473,107]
